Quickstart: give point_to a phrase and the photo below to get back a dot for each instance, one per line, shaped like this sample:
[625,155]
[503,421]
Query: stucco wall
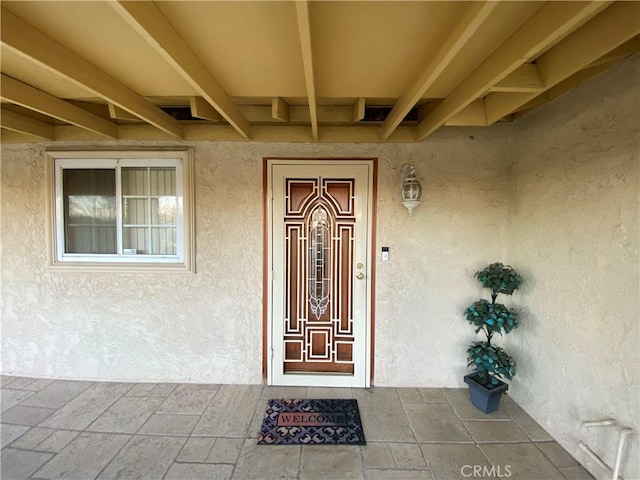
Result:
[206,327]
[574,237]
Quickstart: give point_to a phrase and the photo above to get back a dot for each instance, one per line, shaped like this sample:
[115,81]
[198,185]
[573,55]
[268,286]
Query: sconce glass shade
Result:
[411,189]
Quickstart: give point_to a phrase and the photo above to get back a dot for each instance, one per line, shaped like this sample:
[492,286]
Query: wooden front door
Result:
[319,249]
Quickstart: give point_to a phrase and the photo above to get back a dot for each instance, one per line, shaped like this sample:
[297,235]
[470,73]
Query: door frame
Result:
[267,289]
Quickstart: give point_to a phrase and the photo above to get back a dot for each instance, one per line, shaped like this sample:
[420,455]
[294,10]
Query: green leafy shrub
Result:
[499,278]
[490,363]
[491,317]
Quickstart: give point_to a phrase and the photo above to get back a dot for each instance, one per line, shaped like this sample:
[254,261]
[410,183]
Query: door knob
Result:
[360,276]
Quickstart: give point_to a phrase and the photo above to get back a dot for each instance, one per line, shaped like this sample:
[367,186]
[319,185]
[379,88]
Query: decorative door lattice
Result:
[319,226]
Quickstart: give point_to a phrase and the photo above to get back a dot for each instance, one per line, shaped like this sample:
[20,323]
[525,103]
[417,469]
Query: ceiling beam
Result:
[35,46]
[509,102]
[425,109]
[603,63]
[279,109]
[299,114]
[304,30]
[277,132]
[13,91]
[155,28]
[358,110]
[617,54]
[11,136]
[577,78]
[608,30]
[200,108]
[473,115]
[118,113]
[525,78]
[536,102]
[550,23]
[23,124]
[562,87]
[616,25]
[475,16]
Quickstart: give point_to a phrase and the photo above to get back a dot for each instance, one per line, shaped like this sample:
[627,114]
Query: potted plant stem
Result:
[491,364]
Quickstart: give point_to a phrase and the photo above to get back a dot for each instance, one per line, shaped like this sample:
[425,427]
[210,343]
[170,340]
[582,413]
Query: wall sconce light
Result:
[411,190]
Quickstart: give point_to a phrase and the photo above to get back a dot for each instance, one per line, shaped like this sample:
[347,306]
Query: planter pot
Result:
[483,398]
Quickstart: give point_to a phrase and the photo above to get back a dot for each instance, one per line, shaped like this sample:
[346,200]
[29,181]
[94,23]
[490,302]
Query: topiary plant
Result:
[491,364]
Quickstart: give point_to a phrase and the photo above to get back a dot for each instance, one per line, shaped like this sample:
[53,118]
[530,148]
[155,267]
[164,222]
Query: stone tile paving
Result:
[76,430]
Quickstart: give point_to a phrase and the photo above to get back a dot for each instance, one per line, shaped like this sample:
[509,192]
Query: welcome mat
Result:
[311,422]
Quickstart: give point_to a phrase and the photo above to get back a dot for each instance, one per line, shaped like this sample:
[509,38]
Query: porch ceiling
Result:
[294,71]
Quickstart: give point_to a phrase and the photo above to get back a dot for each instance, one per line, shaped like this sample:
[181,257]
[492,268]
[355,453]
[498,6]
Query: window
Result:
[126,209]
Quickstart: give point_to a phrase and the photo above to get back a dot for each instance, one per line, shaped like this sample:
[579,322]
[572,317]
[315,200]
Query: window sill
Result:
[122,267]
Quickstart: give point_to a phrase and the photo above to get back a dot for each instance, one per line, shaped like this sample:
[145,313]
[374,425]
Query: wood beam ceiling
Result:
[612,28]
[260,133]
[550,23]
[473,115]
[279,109]
[357,110]
[117,113]
[525,96]
[476,15]
[304,30]
[567,84]
[579,39]
[11,90]
[299,114]
[525,78]
[200,108]
[154,27]
[620,53]
[23,124]
[35,46]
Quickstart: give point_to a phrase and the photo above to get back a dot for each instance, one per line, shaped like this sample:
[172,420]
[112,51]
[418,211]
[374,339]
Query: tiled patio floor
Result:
[86,430]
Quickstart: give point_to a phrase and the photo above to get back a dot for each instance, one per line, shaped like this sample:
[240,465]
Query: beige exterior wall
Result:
[574,237]
[565,214]
[207,327]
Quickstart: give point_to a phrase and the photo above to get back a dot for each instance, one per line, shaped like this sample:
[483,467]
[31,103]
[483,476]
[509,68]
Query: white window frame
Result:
[58,161]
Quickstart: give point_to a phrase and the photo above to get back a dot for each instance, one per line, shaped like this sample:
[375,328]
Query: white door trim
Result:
[362,376]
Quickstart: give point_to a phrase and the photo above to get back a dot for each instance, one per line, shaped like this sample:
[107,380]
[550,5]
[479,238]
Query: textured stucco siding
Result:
[574,236]
[555,194]
[207,327]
